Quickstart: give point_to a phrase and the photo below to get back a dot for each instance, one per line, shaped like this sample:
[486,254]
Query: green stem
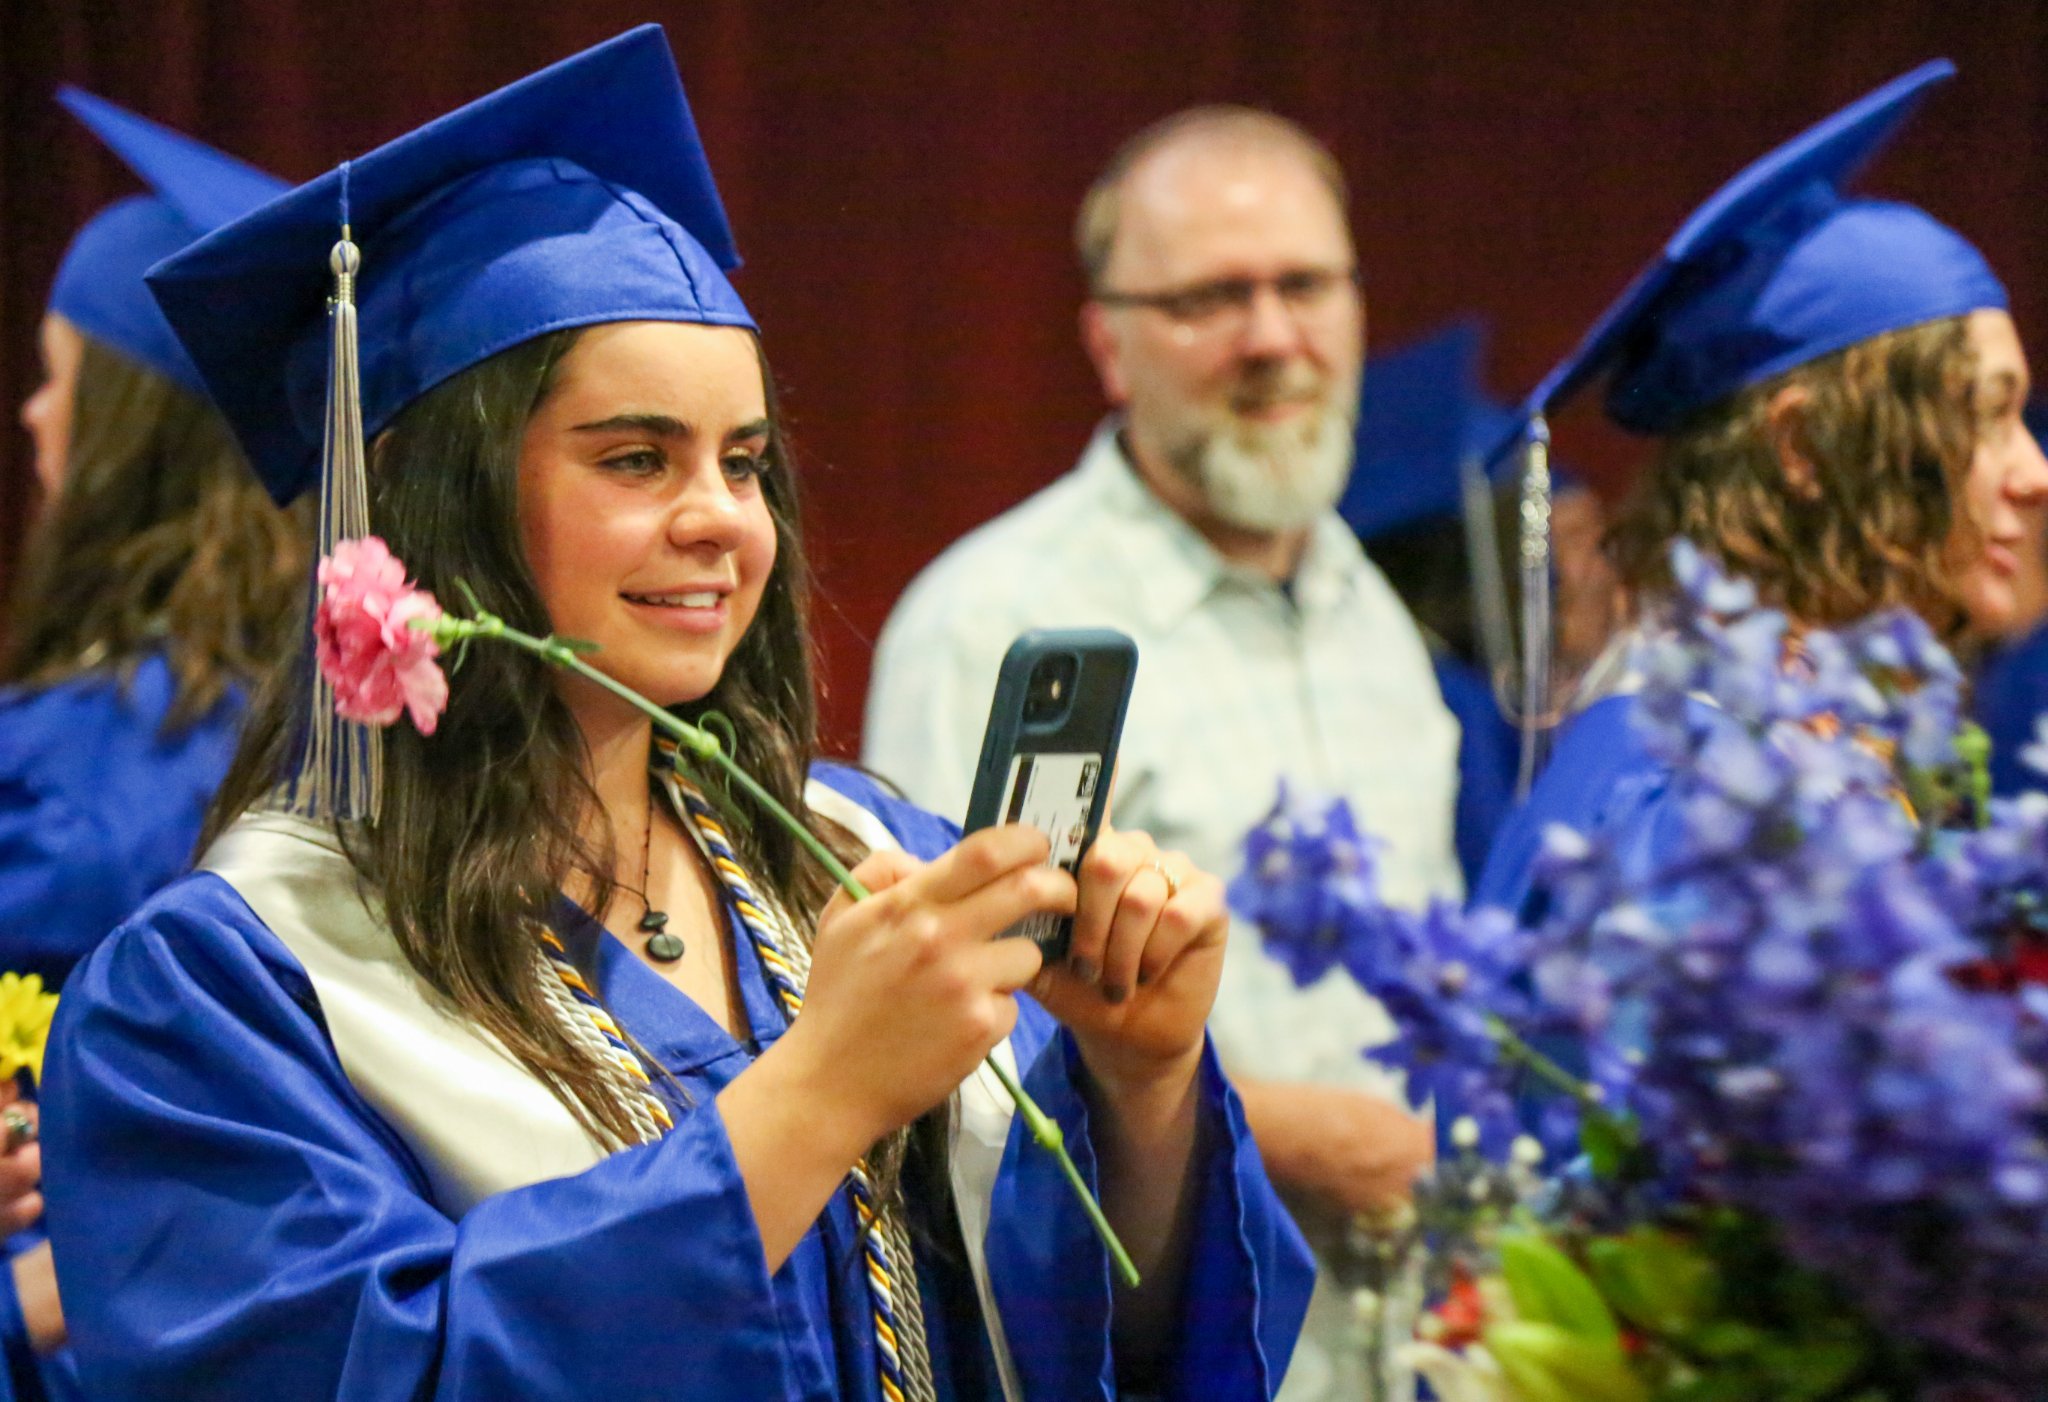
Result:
[1045,1131]
[1542,1067]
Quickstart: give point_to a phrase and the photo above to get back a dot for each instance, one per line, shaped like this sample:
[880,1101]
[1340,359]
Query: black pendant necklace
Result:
[662,946]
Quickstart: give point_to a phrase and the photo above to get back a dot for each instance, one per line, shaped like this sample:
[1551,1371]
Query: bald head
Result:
[1156,166]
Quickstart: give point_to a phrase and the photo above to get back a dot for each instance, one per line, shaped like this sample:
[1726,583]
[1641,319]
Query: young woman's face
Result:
[46,414]
[641,503]
[2008,478]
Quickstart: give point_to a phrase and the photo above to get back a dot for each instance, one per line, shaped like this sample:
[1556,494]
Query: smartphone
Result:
[1050,748]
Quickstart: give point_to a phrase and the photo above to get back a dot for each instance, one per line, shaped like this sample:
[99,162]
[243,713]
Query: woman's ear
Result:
[1785,426]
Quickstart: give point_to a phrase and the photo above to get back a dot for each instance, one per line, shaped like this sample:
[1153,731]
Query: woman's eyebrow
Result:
[759,428]
[660,425]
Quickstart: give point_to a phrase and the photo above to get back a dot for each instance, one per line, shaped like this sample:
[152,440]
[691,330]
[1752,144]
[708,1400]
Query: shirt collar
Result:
[1172,567]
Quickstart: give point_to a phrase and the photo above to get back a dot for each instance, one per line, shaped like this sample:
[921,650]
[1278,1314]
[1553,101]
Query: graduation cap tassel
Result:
[341,769]
[1489,584]
[1536,621]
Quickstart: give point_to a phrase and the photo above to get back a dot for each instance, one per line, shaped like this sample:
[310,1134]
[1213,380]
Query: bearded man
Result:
[1226,322]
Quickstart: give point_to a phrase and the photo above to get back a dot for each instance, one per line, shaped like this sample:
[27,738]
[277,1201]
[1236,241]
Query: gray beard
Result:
[1271,481]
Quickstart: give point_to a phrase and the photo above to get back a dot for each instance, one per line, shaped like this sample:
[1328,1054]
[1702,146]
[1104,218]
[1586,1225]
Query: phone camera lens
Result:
[1050,693]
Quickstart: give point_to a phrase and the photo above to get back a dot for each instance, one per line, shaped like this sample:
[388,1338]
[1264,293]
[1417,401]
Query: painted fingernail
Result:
[1114,993]
[1084,969]
[1143,978]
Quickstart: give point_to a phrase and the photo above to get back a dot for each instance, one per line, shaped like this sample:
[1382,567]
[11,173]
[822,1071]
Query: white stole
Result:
[475,1118]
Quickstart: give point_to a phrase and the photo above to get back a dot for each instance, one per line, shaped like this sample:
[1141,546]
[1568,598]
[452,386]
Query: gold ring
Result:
[1172,886]
[19,1127]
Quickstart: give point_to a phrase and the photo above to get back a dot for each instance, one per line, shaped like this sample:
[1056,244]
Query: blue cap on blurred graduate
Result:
[99,287]
[1777,269]
[575,196]
[1422,416]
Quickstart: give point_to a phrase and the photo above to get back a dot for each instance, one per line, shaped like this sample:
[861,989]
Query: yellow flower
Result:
[25,1013]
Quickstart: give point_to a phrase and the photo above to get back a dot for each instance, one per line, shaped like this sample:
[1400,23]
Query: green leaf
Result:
[1609,1143]
[1725,1339]
[1549,1289]
[1544,1363]
[577,644]
[1811,1368]
[1659,1282]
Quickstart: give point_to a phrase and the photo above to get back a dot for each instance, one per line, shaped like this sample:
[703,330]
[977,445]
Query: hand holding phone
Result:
[1050,748]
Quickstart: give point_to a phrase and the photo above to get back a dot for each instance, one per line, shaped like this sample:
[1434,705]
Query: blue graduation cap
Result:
[1778,268]
[99,286]
[1422,415]
[578,195]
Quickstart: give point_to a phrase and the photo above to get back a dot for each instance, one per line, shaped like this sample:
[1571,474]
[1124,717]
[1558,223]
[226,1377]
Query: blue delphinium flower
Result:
[1778,989]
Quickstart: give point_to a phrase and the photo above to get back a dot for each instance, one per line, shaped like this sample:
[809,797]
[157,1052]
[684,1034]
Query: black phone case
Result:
[1092,725]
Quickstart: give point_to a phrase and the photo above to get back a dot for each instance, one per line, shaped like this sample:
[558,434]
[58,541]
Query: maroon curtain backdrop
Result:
[903,176]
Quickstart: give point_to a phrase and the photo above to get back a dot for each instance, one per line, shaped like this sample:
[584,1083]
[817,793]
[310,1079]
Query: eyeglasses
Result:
[1306,293]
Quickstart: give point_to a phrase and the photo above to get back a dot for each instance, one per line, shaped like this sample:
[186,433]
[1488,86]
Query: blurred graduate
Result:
[1835,386]
[160,582]
[512,1063]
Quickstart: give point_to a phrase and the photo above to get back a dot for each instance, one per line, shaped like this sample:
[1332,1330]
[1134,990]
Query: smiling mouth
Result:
[686,599]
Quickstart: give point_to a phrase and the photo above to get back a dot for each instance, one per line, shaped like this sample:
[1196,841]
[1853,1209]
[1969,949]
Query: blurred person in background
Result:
[159,582]
[1226,323]
[1844,441]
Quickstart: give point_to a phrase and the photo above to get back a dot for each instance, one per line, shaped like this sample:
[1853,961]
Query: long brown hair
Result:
[160,539]
[481,825]
[1889,428]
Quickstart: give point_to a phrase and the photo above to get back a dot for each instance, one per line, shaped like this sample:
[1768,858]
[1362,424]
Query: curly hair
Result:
[1889,427]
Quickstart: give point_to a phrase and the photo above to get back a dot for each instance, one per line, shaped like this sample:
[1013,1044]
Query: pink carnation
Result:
[377,663]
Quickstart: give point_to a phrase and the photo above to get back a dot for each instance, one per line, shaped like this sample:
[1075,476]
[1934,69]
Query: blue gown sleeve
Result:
[20,1380]
[1598,781]
[1249,1271]
[235,1223]
[99,807]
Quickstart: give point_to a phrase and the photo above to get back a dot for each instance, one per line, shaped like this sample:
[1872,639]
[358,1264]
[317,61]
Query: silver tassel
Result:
[1489,585]
[341,767]
[1536,622]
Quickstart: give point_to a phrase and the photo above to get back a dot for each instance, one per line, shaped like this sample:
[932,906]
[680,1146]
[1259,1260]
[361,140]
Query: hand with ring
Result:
[1147,952]
[21,1165]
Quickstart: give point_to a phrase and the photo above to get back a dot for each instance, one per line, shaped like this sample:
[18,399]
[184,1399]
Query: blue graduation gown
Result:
[234,1221]
[97,809]
[2011,689]
[1488,753]
[1599,781]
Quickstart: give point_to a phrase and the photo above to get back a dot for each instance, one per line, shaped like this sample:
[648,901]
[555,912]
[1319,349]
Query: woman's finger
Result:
[879,871]
[1144,896]
[1108,867]
[981,858]
[1194,909]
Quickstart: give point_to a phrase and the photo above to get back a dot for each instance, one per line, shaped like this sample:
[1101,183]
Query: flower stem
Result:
[703,745]
[1542,1067]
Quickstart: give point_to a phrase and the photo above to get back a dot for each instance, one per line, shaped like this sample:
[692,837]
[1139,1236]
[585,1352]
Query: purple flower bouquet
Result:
[1788,1043]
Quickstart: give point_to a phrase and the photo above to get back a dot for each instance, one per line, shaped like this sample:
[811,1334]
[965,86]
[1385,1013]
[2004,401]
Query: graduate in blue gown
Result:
[159,582]
[508,1062]
[1836,387]
[1424,425]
